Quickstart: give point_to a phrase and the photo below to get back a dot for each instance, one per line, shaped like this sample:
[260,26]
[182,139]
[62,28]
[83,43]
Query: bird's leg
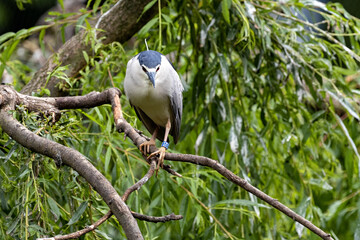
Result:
[163,147]
[145,146]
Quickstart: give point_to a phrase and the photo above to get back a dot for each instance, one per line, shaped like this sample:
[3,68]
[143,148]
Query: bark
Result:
[120,23]
[64,155]
[9,98]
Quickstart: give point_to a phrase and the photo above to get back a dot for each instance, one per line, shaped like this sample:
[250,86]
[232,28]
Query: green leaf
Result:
[233,140]
[302,212]
[100,147]
[148,6]
[13,225]
[86,56]
[6,36]
[350,140]
[103,234]
[224,67]
[54,208]
[77,214]
[345,103]
[96,5]
[61,2]
[107,159]
[225,7]
[146,28]
[41,40]
[357,231]
[91,118]
[240,202]
[250,10]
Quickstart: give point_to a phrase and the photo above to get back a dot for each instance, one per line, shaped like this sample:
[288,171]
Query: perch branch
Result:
[65,155]
[9,98]
[123,126]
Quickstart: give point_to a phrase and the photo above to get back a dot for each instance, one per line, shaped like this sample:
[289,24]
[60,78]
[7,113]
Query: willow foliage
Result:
[271,93]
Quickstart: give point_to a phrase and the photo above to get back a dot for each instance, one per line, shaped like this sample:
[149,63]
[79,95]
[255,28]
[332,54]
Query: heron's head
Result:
[150,63]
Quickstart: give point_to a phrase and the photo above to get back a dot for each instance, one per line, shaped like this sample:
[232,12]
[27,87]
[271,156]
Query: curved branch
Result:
[81,232]
[141,182]
[68,156]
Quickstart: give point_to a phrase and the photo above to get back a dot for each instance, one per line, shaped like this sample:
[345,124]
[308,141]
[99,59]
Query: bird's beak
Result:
[151,76]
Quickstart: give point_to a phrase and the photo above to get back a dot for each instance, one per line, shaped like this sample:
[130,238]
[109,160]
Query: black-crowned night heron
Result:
[154,89]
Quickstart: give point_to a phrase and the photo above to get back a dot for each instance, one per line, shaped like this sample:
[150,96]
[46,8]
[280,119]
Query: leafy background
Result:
[269,93]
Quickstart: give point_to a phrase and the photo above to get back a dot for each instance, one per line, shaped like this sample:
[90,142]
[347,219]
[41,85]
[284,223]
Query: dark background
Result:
[13,19]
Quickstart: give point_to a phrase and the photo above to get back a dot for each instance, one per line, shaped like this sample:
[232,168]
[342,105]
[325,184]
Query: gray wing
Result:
[176,103]
[149,124]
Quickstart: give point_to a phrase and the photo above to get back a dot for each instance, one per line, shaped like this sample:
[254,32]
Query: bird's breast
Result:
[154,102]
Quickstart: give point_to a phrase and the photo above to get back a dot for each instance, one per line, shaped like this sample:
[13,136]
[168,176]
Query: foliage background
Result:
[268,94]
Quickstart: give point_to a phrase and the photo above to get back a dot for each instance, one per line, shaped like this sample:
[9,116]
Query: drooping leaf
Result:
[78,213]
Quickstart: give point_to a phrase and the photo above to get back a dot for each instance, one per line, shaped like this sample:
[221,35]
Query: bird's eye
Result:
[144,69]
[157,69]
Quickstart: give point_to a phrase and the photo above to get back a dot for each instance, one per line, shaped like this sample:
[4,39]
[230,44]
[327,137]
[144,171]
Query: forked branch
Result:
[9,98]
[123,126]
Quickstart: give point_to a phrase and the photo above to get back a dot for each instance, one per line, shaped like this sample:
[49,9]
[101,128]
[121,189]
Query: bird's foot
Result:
[161,152]
[145,146]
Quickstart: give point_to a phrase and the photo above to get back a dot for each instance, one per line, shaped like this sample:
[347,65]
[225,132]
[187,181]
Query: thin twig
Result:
[166,218]
[141,182]
[81,232]
[77,234]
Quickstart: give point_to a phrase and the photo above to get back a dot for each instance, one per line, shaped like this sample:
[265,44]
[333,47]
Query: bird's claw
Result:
[161,152]
[145,147]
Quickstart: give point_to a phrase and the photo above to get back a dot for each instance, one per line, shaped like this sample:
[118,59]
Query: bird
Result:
[154,89]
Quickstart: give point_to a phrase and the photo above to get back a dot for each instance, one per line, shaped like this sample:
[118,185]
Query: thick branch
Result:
[70,157]
[120,23]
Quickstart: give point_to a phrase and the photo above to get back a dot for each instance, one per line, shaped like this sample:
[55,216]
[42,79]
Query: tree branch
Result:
[92,227]
[120,23]
[166,218]
[141,182]
[125,196]
[9,98]
[68,156]
[204,161]
[123,126]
